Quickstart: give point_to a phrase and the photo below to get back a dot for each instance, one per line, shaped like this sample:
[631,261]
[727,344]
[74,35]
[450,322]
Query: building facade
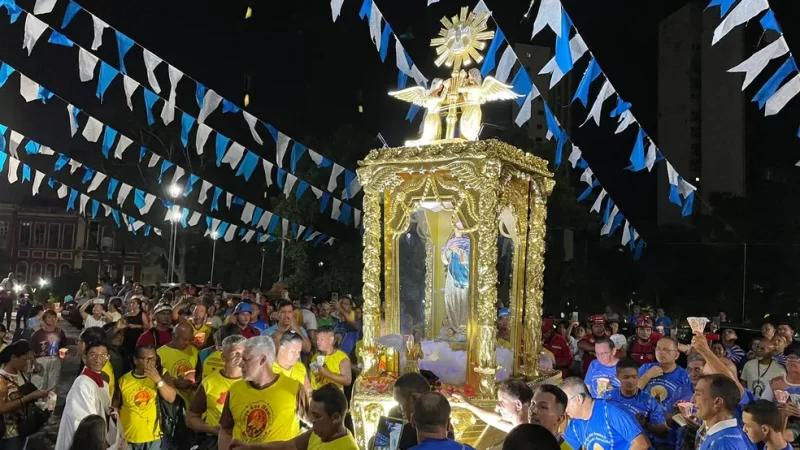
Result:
[45,243]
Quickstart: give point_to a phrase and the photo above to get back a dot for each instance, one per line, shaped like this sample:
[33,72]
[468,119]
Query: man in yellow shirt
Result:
[206,408]
[264,406]
[328,410]
[329,365]
[179,359]
[210,359]
[137,398]
[288,360]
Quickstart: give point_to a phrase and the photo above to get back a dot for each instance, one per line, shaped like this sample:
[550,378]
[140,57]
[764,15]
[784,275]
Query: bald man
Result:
[179,359]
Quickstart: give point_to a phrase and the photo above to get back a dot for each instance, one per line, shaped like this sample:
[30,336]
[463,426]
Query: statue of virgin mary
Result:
[455,255]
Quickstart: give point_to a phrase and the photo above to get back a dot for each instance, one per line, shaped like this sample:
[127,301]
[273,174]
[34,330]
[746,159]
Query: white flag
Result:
[230,233]
[15,140]
[45,150]
[577,48]
[626,233]
[130,87]
[211,102]
[743,12]
[247,212]
[336,8]
[336,210]
[284,227]
[755,64]
[506,63]
[175,76]
[524,114]
[168,113]
[122,145]
[203,131]
[575,155]
[607,227]
[122,195]
[650,158]
[73,123]
[672,175]
[266,218]
[106,209]
[586,176]
[154,159]
[13,167]
[300,229]
[148,203]
[248,236]
[84,201]
[44,6]
[204,192]
[289,184]
[194,218]
[625,120]
[99,27]
[313,236]
[267,171]
[549,15]
[317,192]
[787,92]
[33,31]
[316,157]
[228,199]
[92,129]
[597,108]
[251,122]
[179,172]
[481,8]
[355,187]
[356,217]
[152,61]
[281,144]
[598,203]
[400,58]
[375,19]
[330,241]
[86,64]
[335,172]
[62,191]
[28,89]
[96,181]
[234,155]
[74,166]
[37,181]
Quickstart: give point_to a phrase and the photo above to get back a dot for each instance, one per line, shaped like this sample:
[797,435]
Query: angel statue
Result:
[430,99]
[477,91]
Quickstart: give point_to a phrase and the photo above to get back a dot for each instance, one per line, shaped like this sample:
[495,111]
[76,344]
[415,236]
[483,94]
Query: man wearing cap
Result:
[161,334]
[643,349]
[242,319]
[598,330]
[558,346]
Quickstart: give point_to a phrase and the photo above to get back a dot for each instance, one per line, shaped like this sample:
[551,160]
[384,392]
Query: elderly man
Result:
[598,331]
[602,374]
[513,405]
[597,424]
[264,406]
[664,380]
[179,359]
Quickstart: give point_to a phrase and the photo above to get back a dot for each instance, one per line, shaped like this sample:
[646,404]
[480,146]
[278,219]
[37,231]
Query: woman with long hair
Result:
[15,360]
[136,321]
[91,434]
[83,293]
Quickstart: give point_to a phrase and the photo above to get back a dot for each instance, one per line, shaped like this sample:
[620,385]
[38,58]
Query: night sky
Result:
[310,74]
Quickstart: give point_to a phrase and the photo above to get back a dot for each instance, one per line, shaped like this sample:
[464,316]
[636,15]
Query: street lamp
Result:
[43,282]
[214,236]
[174,218]
[263,253]
[175,191]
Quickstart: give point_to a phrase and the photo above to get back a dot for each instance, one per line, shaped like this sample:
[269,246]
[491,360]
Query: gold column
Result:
[517,194]
[391,305]
[371,221]
[535,279]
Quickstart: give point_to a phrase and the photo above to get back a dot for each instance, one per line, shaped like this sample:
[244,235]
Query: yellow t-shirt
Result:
[216,388]
[346,442]
[332,363]
[261,416]
[213,363]
[139,413]
[297,372]
[109,371]
[180,365]
[204,328]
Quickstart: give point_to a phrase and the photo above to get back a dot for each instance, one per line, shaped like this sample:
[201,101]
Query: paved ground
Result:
[46,439]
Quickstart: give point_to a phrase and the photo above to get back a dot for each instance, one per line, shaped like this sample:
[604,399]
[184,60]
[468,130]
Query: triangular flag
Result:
[211,102]
[44,6]
[33,31]
[86,64]
[130,87]
[251,122]
[99,27]
[152,61]
[92,129]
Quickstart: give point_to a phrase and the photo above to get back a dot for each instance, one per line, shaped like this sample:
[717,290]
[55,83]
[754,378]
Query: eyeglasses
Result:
[97,356]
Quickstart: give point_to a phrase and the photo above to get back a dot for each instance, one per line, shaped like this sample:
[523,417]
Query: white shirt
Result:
[309,319]
[757,376]
[722,425]
[92,322]
[84,398]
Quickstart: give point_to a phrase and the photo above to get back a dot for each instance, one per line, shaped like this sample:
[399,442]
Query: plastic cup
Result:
[698,324]
[200,338]
[781,396]
[62,353]
[602,385]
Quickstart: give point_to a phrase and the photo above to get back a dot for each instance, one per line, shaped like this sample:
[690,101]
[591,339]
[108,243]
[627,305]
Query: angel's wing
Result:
[416,95]
[493,90]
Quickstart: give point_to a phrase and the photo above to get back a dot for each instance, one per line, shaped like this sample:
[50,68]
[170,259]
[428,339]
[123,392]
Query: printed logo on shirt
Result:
[222,397]
[659,393]
[256,417]
[142,399]
[597,447]
[183,367]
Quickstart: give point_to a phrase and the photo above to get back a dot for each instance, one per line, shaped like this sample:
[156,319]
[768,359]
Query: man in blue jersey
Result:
[763,424]
[644,407]
[601,376]
[717,398]
[597,424]
[664,380]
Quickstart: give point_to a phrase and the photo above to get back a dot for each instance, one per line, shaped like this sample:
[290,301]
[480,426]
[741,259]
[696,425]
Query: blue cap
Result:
[243,307]
[503,312]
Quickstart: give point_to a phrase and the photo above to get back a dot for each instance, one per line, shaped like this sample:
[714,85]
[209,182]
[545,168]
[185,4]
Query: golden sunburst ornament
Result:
[461,39]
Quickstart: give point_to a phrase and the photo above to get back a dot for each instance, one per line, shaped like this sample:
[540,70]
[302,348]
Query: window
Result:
[538,126]
[36,272]
[94,238]
[64,269]
[22,272]
[53,234]
[50,271]
[67,236]
[39,235]
[25,236]
[3,234]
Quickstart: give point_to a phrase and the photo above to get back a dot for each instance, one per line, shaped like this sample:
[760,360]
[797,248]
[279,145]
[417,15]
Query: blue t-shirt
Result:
[599,376]
[726,435]
[609,428]
[441,444]
[666,322]
[641,403]
[667,387]
[260,325]
[204,354]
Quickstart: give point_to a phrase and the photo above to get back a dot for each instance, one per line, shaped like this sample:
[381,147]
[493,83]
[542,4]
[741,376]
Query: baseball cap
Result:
[243,307]
[547,325]
[597,319]
[644,321]
[503,312]
[161,307]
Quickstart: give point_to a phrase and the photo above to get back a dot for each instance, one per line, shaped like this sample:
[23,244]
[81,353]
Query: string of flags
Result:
[381,34]
[774,94]
[568,51]
[87,206]
[227,151]
[522,84]
[252,216]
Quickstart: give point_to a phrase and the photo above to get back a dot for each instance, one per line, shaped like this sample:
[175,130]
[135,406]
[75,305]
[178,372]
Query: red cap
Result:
[644,321]
[547,326]
[597,319]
